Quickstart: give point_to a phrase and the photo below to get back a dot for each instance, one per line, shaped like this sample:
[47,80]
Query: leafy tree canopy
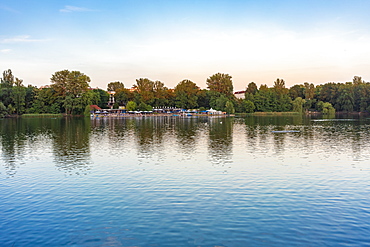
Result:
[131,106]
[252,88]
[221,83]
[115,86]
[70,87]
[186,94]
[145,88]
[8,79]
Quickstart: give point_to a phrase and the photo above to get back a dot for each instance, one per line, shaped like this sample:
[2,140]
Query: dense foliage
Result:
[70,93]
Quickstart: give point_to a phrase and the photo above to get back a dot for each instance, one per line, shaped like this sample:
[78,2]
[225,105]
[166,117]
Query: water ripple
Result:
[185,182]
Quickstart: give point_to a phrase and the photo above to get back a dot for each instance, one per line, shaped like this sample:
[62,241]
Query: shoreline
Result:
[125,115]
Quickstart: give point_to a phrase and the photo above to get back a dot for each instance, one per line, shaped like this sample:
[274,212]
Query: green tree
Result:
[144,107]
[6,85]
[296,91]
[221,83]
[298,104]
[229,107]
[160,94]
[361,94]
[219,103]
[186,94]
[145,89]
[280,94]
[8,79]
[114,86]
[265,100]
[3,110]
[274,99]
[329,92]
[131,106]
[30,97]
[12,91]
[251,88]
[123,95]
[18,96]
[328,109]
[346,97]
[10,109]
[309,91]
[87,111]
[60,81]
[325,107]
[70,87]
[248,106]
[357,80]
[46,102]
[171,97]
[204,98]
[279,86]
[101,97]
[86,99]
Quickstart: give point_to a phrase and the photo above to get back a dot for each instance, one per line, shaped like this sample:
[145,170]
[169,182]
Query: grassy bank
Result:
[44,115]
[269,114]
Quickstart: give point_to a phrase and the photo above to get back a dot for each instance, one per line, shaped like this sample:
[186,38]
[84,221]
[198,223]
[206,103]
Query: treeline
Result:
[70,93]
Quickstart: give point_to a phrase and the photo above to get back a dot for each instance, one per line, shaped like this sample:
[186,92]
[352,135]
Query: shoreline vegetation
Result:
[128,115]
[46,115]
[272,113]
[42,115]
[70,94]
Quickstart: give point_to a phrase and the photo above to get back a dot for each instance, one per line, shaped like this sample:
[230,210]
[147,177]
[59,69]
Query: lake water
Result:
[170,181]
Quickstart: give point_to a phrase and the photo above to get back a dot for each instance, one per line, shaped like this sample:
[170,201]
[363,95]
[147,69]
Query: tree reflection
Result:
[186,130]
[259,131]
[12,145]
[16,136]
[71,147]
[117,130]
[153,139]
[149,133]
[220,139]
[359,139]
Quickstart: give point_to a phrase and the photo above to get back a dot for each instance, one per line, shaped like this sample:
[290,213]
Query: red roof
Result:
[95,107]
[239,92]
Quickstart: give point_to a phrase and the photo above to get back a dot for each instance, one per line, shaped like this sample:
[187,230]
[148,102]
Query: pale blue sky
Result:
[315,41]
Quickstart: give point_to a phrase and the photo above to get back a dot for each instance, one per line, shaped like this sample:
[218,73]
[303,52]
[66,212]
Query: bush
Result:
[131,106]
[248,106]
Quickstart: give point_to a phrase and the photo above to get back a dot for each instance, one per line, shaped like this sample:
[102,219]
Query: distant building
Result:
[240,94]
[111,99]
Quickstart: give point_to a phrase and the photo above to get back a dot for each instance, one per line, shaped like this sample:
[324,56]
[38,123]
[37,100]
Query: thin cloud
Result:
[69,9]
[21,39]
[6,8]
[5,50]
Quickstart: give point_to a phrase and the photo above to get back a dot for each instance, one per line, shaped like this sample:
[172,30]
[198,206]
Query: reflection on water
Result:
[17,140]
[220,140]
[25,139]
[70,144]
[188,131]
[69,139]
[168,181]
[12,143]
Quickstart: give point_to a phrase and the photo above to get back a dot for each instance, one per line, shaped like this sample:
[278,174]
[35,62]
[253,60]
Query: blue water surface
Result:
[170,181]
